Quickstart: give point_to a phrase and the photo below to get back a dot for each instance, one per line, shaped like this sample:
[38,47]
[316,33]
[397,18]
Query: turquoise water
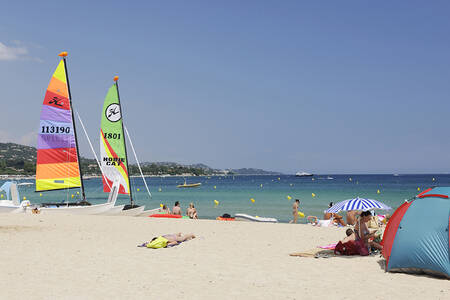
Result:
[234,193]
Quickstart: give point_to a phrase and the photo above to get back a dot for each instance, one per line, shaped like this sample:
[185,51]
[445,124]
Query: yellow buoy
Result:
[72,195]
[161,205]
[378,191]
[418,189]
[253,200]
[260,185]
[1,196]
[78,193]
[256,216]
[216,202]
[24,198]
[40,195]
[301,215]
[215,187]
[313,195]
[279,178]
[289,197]
[138,190]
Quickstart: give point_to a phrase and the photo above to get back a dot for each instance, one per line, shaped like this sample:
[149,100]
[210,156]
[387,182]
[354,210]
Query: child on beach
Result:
[295,210]
[165,209]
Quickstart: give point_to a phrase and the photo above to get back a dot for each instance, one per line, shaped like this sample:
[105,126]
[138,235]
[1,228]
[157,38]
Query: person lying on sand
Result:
[168,240]
[313,220]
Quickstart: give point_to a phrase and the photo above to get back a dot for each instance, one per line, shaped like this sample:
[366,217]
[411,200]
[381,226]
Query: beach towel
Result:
[328,247]
[159,242]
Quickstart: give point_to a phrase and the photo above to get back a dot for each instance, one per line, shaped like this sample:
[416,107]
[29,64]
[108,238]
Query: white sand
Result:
[95,257]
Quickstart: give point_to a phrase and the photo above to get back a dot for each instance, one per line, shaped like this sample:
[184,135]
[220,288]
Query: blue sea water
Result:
[271,199]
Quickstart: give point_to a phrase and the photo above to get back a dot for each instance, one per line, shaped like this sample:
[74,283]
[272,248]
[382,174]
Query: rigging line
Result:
[92,148]
[135,156]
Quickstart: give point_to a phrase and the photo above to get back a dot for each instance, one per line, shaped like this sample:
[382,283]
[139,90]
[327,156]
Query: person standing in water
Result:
[295,210]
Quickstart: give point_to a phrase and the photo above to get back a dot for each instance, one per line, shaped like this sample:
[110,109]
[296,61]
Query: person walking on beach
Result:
[295,210]
[176,210]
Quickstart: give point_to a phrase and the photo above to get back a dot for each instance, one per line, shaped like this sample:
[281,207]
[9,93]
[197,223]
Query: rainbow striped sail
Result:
[57,160]
[113,155]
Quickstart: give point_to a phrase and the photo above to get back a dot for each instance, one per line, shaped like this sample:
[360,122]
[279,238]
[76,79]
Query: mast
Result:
[64,55]
[116,79]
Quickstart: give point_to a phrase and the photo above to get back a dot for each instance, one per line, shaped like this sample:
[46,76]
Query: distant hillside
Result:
[19,159]
[252,171]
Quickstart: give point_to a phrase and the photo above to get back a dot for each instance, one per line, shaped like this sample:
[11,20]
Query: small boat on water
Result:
[303,174]
[245,217]
[189,185]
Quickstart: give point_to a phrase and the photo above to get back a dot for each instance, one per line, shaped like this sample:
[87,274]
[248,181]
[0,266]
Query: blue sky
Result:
[318,86]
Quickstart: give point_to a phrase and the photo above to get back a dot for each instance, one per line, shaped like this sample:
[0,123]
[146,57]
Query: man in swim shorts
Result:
[176,210]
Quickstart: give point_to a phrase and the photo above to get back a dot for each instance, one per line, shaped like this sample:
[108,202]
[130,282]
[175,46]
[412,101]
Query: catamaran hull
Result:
[11,209]
[132,212]
[149,212]
[114,211]
[78,210]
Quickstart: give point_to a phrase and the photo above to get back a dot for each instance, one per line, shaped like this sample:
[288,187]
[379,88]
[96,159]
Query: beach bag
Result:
[347,248]
[362,249]
[159,242]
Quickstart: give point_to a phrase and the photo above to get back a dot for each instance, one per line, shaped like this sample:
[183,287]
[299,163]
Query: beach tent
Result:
[416,238]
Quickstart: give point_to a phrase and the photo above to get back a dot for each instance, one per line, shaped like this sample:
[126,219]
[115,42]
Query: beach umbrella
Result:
[357,204]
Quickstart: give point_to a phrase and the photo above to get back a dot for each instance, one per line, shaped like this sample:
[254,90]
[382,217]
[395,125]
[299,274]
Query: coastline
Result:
[95,257]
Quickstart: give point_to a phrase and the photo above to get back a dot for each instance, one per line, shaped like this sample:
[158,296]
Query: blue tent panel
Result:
[422,239]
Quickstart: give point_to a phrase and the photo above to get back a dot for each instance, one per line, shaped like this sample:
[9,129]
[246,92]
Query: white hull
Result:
[8,206]
[11,209]
[78,210]
[149,212]
[245,217]
[114,211]
[132,212]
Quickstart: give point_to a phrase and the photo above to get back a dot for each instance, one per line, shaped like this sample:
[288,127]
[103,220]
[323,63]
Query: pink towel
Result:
[328,247]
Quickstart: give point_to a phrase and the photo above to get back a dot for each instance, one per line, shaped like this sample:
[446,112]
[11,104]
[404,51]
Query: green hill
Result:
[18,159]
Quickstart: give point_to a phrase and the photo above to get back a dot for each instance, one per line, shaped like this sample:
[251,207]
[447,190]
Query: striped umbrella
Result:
[357,204]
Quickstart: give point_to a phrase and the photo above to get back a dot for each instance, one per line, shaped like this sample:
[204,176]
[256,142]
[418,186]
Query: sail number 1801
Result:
[109,135]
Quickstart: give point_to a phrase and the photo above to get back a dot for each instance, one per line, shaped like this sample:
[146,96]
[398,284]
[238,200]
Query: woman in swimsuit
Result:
[191,212]
[363,233]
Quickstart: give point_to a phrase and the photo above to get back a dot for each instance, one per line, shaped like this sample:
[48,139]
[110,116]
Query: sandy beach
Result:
[95,257]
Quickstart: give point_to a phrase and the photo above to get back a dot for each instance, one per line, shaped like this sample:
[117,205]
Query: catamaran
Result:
[12,202]
[113,151]
[58,161]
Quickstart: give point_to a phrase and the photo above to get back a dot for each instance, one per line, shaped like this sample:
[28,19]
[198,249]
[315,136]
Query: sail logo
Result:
[55,101]
[112,112]
[113,161]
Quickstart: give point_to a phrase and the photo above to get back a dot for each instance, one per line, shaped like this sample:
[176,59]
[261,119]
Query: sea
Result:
[261,195]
